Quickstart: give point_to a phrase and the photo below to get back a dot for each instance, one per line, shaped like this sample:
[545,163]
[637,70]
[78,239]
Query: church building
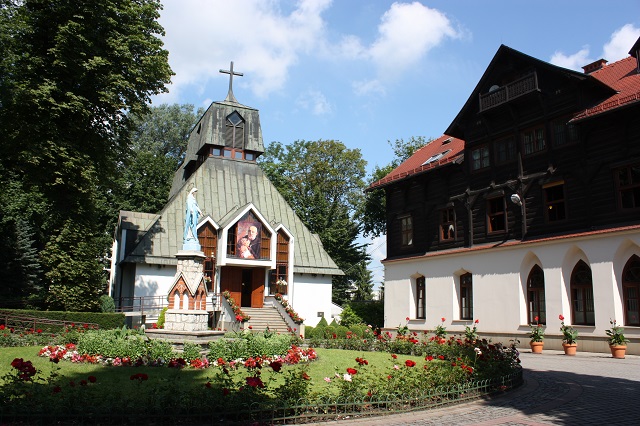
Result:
[528,208]
[254,245]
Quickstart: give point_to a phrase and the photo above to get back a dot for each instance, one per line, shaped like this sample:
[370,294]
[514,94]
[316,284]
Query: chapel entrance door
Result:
[246,285]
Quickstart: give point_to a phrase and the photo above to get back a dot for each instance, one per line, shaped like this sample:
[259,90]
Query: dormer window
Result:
[436,157]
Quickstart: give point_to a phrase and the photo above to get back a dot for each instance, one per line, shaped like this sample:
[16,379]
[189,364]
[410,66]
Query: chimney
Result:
[594,66]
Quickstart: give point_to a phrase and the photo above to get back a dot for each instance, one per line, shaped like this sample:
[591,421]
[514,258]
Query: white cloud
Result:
[314,101]
[408,31]
[366,87]
[573,62]
[203,36]
[615,49]
[620,43]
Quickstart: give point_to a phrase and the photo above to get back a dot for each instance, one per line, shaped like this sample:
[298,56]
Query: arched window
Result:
[582,295]
[421,309]
[631,291]
[535,296]
[466,296]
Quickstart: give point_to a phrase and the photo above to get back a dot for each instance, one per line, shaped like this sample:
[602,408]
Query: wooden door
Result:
[257,288]
[231,280]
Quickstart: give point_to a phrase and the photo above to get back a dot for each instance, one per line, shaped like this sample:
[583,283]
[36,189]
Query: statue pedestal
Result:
[186,320]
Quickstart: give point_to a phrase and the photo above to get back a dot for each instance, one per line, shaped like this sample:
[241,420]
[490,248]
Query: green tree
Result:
[362,285]
[158,143]
[323,182]
[374,206]
[71,74]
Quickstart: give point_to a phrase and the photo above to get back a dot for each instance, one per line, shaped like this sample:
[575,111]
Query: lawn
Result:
[329,362]
[253,387]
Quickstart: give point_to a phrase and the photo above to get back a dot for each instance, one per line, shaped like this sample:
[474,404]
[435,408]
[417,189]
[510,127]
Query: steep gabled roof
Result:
[437,153]
[506,60]
[225,186]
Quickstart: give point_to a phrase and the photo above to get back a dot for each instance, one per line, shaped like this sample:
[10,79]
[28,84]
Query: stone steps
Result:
[261,318]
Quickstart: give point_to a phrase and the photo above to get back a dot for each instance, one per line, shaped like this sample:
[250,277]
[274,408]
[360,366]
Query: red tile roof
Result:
[451,149]
[621,76]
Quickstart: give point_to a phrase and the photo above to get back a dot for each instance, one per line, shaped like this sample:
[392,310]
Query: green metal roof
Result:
[225,186]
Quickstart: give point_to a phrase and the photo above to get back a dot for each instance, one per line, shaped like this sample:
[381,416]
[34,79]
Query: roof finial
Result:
[231,73]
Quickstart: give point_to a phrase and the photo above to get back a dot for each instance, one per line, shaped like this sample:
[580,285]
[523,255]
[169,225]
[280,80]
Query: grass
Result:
[329,362]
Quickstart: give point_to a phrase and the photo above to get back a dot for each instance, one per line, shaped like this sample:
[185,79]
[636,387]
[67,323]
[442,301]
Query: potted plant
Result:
[537,337]
[569,337]
[617,341]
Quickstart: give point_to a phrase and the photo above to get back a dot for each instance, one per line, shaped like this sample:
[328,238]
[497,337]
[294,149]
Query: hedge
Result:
[104,320]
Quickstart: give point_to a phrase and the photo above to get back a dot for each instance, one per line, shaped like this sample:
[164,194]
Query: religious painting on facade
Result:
[249,231]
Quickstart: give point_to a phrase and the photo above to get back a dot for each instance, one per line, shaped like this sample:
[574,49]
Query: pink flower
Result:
[328,380]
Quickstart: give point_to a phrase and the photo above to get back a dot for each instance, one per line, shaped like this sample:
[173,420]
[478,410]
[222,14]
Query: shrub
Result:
[161,317]
[107,304]
[371,312]
[334,323]
[113,343]
[244,345]
[191,351]
[348,317]
[103,320]
[323,322]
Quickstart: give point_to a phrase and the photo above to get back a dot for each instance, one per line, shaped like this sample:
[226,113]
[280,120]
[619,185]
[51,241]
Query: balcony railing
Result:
[140,305]
[501,95]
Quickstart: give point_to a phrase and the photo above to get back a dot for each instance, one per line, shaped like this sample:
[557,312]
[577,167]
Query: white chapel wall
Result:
[311,294]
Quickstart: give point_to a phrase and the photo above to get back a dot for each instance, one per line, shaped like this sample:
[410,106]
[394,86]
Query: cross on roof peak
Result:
[231,73]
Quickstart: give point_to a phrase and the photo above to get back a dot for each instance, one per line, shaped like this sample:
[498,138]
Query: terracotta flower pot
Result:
[570,348]
[536,347]
[618,351]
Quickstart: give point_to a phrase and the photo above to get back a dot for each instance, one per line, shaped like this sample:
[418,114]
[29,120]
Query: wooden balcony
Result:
[504,94]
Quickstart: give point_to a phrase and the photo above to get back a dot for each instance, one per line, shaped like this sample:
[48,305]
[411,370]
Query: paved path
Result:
[588,389]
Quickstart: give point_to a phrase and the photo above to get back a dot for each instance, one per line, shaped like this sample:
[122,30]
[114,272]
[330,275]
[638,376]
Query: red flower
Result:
[429,358]
[394,356]
[57,389]
[407,318]
[560,317]
[139,376]
[207,385]
[410,363]
[92,379]
[255,382]
[535,319]
[352,371]
[83,382]
[441,357]
[250,327]
[443,319]
[305,376]
[225,391]
[276,365]
[1,326]
[477,321]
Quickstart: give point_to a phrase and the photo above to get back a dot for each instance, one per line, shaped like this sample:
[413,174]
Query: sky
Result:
[369,72]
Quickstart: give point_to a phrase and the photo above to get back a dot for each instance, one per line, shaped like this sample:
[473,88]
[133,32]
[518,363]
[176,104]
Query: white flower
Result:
[347,377]
[478,351]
